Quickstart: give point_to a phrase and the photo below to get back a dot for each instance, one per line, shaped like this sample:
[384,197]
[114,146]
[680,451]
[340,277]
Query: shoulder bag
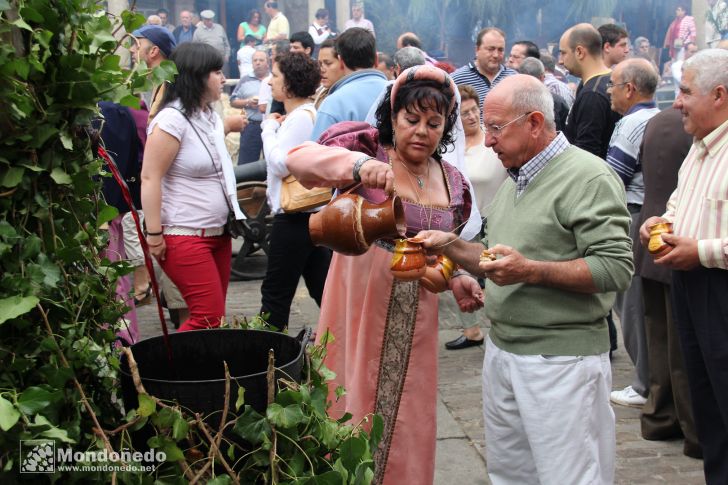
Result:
[297,198]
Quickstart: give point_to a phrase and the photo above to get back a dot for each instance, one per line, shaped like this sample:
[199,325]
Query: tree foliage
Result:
[439,22]
[58,312]
[57,308]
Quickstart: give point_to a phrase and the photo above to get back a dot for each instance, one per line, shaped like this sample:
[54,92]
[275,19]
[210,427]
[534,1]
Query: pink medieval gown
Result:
[386,341]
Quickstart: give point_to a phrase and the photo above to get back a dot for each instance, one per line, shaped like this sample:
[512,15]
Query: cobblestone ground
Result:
[460,446]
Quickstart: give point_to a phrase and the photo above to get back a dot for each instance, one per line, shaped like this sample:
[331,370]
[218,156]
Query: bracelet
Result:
[147,233]
[357,167]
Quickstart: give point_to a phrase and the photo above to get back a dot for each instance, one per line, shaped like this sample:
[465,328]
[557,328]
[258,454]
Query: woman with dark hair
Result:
[681,31]
[251,27]
[385,348]
[294,79]
[188,186]
[331,70]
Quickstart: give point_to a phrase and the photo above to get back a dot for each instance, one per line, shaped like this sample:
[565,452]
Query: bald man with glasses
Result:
[558,228]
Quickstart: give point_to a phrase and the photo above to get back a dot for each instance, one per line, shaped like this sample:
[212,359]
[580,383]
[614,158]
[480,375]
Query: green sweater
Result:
[574,208]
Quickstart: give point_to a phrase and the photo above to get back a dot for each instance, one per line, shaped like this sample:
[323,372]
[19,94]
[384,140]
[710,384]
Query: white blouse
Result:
[486,173]
[278,140]
[193,190]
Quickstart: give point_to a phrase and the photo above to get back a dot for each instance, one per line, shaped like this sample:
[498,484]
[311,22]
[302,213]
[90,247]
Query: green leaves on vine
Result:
[58,312]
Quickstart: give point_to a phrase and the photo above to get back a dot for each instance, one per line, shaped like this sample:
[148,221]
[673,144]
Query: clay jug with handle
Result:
[409,261]
[349,224]
[438,275]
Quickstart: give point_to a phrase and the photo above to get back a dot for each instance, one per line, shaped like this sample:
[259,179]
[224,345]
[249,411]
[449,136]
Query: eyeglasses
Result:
[611,85]
[496,130]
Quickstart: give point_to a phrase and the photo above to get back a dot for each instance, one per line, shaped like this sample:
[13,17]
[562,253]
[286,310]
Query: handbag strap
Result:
[212,159]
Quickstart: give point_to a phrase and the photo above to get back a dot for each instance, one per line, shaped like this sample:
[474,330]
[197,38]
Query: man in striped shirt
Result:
[697,252]
[632,90]
[487,69]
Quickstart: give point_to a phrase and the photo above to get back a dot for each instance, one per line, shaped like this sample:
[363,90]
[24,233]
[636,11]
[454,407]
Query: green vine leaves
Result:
[58,312]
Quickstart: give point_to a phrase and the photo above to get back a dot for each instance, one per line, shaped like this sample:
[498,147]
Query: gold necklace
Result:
[421,185]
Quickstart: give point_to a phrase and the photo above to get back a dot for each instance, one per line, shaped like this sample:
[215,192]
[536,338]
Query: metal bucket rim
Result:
[302,338]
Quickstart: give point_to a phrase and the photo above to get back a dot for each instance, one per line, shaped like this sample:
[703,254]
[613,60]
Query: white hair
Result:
[710,67]
[408,57]
[535,97]
[532,67]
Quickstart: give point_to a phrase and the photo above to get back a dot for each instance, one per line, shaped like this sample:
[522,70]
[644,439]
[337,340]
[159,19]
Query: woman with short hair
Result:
[188,186]
[486,173]
[294,79]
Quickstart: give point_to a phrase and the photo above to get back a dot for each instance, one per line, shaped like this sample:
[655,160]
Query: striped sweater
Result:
[624,148]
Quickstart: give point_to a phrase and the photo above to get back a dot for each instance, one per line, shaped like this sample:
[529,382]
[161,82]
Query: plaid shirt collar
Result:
[533,167]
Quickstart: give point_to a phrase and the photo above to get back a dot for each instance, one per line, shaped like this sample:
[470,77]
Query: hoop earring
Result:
[394,140]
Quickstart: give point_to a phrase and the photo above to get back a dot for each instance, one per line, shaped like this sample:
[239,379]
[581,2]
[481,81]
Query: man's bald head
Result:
[641,73]
[525,94]
[580,51]
[409,39]
[633,81]
[518,116]
[587,36]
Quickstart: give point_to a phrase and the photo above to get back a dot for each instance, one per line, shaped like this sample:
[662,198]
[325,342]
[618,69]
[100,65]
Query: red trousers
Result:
[200,267]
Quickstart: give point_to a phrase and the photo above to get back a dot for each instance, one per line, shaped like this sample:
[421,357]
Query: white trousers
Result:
[548,419]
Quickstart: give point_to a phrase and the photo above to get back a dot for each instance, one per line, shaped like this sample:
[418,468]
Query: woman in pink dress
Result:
[385,330]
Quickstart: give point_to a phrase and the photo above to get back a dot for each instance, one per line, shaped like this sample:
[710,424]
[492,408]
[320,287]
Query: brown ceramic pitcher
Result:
[349,224]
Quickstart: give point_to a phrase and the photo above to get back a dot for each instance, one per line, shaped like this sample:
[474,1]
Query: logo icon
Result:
[38,456]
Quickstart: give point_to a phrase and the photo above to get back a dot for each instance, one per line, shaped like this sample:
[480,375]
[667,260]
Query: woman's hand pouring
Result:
[377,175]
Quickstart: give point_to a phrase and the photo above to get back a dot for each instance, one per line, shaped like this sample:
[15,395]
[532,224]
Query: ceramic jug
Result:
[349,224]
[409,260]
[437,275]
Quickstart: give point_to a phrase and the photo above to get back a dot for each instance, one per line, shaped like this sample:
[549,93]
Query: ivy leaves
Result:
[58,311]
[309,446]
[57,61]
[8,414]
[15,306]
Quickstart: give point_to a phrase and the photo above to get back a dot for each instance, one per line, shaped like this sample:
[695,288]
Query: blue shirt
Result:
[349,99]
[182,35]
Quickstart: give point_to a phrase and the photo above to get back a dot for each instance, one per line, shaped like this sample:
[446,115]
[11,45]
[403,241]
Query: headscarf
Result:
[425,72]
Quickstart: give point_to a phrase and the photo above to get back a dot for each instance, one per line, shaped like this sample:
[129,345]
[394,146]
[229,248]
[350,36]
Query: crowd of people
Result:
[539,174]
